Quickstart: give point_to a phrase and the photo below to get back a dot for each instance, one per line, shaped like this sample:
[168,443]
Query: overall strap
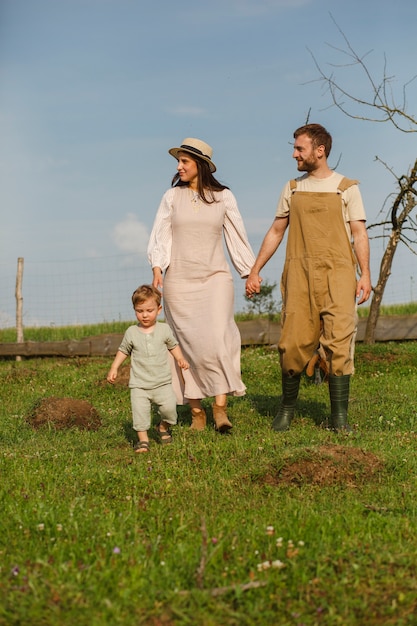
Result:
[345,183]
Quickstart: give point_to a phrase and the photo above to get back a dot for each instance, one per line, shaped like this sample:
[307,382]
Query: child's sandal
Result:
[165,436]
[141,446]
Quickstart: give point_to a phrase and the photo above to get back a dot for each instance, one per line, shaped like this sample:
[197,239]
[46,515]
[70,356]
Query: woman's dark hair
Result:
[206,183]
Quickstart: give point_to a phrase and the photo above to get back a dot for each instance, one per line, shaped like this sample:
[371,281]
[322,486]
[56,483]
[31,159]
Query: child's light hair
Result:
[145,292]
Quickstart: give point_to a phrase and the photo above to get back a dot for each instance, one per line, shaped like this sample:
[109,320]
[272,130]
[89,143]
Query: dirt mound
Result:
[64,413]
[328,465]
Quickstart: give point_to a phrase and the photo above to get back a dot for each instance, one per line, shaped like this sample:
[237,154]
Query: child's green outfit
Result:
[150,373]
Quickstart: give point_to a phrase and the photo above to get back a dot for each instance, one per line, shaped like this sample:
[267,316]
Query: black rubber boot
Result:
[339,400]
[290,387]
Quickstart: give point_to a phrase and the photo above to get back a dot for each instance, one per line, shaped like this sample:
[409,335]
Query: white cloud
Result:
[130,235]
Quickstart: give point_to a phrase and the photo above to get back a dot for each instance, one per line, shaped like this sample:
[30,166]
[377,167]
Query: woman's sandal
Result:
[141,447]
[165,436]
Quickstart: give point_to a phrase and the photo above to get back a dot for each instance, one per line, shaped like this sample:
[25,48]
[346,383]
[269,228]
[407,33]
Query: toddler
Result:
[150,374]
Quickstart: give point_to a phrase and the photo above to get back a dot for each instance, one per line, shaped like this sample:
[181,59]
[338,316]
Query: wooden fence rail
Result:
[254,332]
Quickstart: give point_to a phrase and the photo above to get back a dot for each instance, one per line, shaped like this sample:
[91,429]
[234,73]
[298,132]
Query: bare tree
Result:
[380,105]
[403,228]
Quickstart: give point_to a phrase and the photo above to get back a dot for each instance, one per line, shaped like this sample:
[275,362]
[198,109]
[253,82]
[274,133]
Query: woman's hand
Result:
[158,281]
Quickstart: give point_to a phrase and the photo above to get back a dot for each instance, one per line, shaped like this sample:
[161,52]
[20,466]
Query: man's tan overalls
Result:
[318,288]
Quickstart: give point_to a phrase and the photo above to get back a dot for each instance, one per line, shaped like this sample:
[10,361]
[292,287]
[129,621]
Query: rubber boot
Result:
[220,419]
[339,400]
[290,387]
[199,419]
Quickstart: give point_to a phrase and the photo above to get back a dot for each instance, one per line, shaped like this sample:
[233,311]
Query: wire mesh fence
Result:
[96,290]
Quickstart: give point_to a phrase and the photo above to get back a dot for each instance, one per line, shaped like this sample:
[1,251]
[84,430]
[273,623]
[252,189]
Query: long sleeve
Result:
[239,248]
[160,241]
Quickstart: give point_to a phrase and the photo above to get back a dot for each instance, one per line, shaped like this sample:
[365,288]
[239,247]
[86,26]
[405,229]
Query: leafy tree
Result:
[381,105]
[263,303]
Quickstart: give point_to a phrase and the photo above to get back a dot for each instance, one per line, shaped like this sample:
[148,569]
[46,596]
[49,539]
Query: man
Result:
[324,212]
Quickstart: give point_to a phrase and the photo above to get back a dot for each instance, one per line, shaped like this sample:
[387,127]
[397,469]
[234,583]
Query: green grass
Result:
[62,333]
[391,309]
[92,534]
[363,312]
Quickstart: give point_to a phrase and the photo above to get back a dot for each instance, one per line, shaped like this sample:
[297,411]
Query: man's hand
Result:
[363,288]
[269,246]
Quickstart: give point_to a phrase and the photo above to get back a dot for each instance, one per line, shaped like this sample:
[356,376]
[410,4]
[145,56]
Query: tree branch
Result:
[382,101]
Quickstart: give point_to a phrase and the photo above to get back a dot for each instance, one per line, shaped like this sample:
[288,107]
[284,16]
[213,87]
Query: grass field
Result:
[61,333]
[252,528]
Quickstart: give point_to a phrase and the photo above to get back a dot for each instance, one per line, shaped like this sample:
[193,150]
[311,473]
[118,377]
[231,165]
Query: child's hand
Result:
[112,375]
[183,364]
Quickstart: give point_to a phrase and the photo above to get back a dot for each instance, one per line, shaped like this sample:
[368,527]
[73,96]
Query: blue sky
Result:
[94,92]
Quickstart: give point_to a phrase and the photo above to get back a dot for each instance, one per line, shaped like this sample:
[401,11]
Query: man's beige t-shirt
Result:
[352,205]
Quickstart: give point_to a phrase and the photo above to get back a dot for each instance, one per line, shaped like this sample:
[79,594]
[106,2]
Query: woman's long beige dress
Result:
[198,294]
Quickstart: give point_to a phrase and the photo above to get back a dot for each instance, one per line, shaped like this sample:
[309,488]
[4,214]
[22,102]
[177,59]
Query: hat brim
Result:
[175,151]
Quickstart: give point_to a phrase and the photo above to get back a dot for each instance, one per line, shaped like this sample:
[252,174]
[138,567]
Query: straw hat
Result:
[195,147]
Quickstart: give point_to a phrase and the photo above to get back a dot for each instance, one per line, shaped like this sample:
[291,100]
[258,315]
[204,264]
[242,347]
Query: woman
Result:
[188,262]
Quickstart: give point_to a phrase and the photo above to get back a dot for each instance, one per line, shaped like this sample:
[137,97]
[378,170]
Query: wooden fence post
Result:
[19,303]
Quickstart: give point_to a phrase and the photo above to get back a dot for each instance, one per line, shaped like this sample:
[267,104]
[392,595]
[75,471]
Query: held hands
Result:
[183,364]
[253,284]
